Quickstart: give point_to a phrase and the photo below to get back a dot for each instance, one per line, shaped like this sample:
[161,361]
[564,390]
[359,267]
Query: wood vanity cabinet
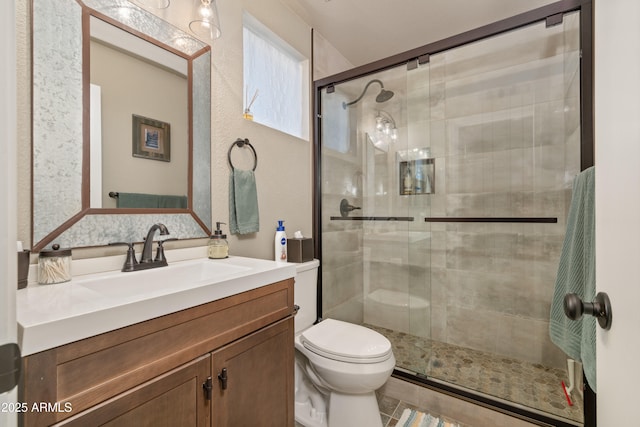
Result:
[226,363]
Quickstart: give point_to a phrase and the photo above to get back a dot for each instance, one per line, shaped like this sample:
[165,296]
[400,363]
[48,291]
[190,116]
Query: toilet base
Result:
[308,416]
[310,405]
[345,410]
[349,410]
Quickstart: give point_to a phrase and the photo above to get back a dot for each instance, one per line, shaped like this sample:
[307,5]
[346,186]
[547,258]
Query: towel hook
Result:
[599,308]
[241,143]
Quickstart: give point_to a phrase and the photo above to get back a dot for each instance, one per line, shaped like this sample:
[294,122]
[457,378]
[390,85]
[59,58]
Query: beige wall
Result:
[327,60]
[23,82]
[284,172]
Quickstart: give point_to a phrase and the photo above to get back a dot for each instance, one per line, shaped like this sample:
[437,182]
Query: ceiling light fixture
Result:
[206,21]
[386,125]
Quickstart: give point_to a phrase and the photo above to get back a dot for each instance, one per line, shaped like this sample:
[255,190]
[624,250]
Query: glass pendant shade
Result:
[386,126]
[206,22]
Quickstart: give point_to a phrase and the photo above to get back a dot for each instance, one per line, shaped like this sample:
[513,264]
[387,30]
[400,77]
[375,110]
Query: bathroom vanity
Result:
[227,361]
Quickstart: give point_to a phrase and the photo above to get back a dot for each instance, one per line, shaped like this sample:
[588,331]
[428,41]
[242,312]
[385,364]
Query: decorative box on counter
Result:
[300,249]
[23,268]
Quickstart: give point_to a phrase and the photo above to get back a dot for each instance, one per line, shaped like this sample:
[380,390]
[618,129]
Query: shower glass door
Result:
[506,112]
[455,193]
[375,159]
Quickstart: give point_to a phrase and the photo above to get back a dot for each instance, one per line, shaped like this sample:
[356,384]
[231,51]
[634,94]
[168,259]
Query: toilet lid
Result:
[346,342]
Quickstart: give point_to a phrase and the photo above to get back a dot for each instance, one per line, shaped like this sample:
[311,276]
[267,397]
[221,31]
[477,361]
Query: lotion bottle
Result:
[280,243]
[218,245]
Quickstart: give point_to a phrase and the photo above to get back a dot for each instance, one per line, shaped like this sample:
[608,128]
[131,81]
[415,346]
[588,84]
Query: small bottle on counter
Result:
[54,266]
[280,243]
[218,245]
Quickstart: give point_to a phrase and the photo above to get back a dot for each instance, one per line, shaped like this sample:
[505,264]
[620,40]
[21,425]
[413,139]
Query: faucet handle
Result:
[160,251]
[131,260]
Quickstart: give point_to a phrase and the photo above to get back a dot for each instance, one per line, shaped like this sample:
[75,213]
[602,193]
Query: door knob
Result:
[574,308]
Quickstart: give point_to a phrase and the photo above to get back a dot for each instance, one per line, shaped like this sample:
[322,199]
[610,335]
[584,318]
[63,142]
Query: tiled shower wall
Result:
[505,131]
[501,118]
[342,253]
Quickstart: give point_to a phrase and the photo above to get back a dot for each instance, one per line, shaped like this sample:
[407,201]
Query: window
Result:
[278,77]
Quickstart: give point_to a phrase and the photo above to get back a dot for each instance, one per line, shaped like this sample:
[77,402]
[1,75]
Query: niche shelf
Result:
[416,177]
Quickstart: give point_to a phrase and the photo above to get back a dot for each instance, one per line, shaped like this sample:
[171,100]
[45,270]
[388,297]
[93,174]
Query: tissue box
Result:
[299,250]
[23,268]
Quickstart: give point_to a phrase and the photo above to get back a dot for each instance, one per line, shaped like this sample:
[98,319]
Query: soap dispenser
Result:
[218,245]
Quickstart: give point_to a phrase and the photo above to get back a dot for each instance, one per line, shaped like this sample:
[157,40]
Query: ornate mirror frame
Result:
[61,209]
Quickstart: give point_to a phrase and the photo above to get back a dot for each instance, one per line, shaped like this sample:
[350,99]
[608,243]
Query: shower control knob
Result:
[345,207]
[600,308]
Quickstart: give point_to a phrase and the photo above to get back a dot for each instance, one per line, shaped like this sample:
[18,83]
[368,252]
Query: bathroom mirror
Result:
[68,207]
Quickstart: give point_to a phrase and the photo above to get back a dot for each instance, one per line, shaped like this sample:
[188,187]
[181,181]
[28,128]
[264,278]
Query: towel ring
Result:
[241,143]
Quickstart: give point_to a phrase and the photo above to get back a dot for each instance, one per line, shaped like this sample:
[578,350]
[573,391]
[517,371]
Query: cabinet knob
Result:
[208,388]
[222,378]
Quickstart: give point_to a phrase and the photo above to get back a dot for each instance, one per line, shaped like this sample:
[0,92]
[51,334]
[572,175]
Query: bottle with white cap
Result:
[281,243]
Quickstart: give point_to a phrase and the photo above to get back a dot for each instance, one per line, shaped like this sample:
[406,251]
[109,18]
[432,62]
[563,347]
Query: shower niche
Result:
[416,172]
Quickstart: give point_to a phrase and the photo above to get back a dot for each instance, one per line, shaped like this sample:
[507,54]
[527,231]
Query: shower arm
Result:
[346,104]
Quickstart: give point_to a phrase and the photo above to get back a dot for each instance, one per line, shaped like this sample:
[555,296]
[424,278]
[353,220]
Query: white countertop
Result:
[53,315]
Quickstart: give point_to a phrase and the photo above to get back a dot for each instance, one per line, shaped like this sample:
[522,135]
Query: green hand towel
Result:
[136,200]
[243,202]
[142,200]
[577,274]
[173,202]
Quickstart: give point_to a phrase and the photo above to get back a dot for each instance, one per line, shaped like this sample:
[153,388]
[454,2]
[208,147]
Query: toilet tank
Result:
[305,294]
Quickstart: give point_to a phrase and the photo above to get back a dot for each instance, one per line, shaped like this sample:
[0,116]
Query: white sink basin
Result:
[161,280]
[91,304]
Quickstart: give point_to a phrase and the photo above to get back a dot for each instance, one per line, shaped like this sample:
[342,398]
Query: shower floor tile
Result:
[523,383]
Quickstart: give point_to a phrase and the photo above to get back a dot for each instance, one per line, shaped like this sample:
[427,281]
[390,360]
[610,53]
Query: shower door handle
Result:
[600,308]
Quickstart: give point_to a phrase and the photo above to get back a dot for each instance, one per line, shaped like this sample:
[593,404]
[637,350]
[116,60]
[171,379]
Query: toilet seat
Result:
[346,342]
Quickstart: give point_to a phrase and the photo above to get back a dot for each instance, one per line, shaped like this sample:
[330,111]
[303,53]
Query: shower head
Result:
[383,96]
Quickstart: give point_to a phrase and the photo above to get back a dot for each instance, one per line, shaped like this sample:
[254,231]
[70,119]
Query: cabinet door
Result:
[175,399]
[255,379]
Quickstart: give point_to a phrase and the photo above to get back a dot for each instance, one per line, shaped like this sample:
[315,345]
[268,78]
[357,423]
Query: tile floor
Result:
[398,394]
[391,410]
[531,385]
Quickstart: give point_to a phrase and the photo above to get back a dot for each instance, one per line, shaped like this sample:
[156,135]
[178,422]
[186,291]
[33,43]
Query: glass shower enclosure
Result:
[444,186]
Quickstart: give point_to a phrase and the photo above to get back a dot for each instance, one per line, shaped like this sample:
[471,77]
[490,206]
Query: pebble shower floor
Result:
[531,385]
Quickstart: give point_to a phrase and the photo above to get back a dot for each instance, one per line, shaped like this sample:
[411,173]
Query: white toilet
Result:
[339,365]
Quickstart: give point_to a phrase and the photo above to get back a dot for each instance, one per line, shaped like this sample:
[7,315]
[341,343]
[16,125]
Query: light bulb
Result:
[205,11]
[379,125]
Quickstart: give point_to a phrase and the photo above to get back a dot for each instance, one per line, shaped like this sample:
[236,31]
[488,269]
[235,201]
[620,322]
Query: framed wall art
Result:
[151,139]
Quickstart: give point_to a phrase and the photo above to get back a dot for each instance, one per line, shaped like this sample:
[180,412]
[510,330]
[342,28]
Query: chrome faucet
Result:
[148,242]
[146,262]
